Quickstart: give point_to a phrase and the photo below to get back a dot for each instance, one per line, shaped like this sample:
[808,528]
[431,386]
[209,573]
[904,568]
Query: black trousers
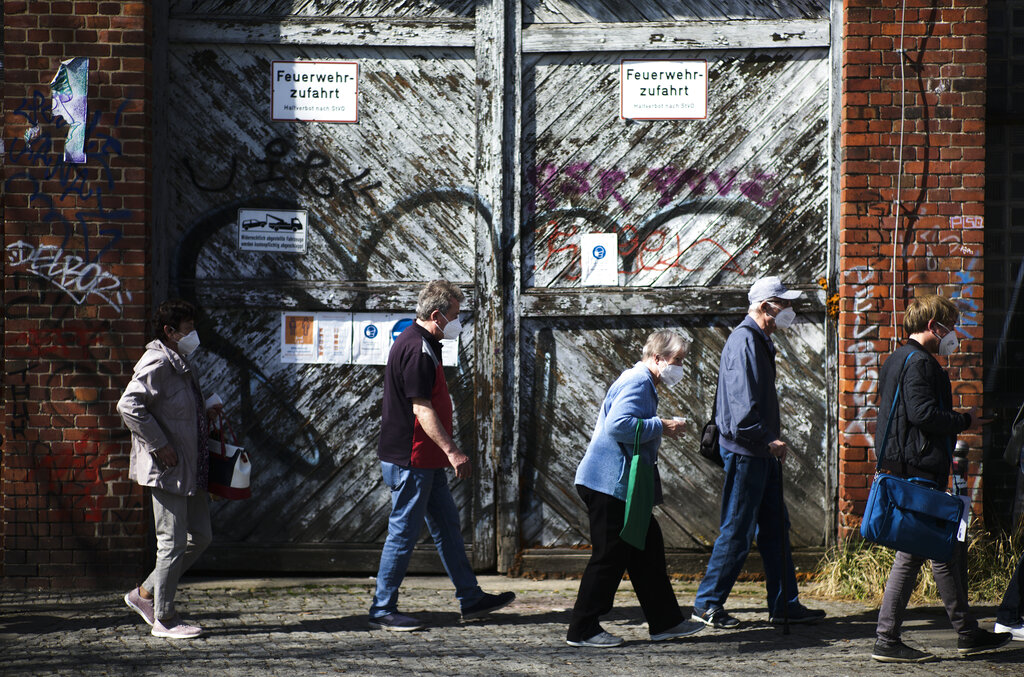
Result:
[611,558]
[1012,607]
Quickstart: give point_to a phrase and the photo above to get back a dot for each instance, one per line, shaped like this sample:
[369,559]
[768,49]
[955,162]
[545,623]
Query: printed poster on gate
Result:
[314,91]
[373,334]
[334,338]
[348,338]
[316,338]
[298,338]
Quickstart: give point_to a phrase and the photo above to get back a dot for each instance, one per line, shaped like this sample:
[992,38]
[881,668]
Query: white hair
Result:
[666,343]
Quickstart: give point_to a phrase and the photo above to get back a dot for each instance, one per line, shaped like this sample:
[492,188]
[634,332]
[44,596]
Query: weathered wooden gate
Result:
[701,208]
[488,141]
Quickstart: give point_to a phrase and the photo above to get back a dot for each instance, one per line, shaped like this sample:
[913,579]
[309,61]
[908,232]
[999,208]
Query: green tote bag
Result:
[639,497]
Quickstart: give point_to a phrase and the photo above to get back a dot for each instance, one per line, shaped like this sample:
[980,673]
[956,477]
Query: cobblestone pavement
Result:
[318,627]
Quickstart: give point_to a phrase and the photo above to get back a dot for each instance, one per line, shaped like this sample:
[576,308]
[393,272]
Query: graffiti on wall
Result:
[55,376]
[659,250]
[933,247]
[58,370]
[553,184]
[314,174]
[688,231]
[75,265]
[71,274]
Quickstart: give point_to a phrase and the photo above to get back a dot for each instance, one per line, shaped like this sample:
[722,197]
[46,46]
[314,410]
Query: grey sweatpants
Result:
[951,581]
[182,533]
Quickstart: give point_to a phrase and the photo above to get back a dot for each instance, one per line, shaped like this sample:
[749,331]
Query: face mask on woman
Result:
[948,343]
[188,343]
[671,374]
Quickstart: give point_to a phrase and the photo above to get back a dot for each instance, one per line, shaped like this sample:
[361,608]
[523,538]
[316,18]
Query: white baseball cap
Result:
[770,288]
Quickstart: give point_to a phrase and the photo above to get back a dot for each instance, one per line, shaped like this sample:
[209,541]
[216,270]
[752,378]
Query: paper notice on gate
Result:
[599,259]
[334,338]
[965,519]
[371,336]
[298,337]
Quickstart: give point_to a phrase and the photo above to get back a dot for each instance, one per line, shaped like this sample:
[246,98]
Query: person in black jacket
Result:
[920,444]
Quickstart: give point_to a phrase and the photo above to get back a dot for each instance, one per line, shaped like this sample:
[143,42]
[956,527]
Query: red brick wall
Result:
[940,204]
[75,294]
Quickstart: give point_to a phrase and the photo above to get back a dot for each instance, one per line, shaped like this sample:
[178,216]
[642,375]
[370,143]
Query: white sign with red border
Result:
[314,91]
[650,89]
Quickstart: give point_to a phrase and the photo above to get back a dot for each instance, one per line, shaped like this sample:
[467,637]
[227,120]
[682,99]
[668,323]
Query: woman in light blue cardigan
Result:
[601,481]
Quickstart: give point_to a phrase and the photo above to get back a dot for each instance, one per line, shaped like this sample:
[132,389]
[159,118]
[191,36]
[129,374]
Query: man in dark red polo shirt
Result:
[415,449]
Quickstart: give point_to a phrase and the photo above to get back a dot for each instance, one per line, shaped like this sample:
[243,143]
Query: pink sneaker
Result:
[140,605]
[175,629]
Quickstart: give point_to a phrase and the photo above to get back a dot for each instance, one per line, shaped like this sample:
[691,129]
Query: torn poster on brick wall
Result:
[70,92]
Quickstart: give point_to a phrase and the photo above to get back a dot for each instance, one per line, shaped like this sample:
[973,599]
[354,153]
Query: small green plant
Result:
[858,570]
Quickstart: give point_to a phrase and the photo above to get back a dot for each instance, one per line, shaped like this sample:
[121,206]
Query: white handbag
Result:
[230,468]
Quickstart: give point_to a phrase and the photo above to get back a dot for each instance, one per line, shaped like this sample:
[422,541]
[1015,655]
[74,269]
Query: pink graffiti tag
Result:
[553,183]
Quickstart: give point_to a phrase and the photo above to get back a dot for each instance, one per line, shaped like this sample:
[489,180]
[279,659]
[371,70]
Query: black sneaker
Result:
[487,604]
[981,640]
[798,613]
[396,622]
[716,618]
[900,653]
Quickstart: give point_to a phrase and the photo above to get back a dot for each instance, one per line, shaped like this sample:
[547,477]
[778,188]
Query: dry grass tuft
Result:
[858,570]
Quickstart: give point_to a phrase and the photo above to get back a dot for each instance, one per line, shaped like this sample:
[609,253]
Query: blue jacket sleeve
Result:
[631,404]
[740,376]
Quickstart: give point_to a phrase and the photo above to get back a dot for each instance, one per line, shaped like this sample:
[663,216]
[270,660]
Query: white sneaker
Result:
[140,605]
[1017,629]
[175,629]
[683,629]
[602,640]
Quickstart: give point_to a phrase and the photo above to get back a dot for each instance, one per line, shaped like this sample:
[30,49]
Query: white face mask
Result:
[188,343]
[948,343]
[671,374]
[785,318]
[453,328]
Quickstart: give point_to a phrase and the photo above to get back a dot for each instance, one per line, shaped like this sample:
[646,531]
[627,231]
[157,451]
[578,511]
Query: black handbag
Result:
[709,447]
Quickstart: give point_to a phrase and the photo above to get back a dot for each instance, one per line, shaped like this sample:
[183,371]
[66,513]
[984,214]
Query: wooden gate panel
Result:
[312,432]
[694,202]
[639,11]
[569,366]
[390,204]
[321,9]
[382,192]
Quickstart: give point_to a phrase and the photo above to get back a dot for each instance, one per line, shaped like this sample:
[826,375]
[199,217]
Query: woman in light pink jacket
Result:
[164,409]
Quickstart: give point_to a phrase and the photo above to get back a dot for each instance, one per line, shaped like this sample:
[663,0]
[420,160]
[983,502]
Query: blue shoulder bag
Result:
[912,515]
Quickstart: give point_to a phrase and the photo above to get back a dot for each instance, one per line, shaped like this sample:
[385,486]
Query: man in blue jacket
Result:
[747,415]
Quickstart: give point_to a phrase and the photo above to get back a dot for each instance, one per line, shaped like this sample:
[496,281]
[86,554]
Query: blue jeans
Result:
[751,508]
[418,494]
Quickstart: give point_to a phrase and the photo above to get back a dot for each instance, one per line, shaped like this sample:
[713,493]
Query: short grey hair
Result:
[755,308]
[437,295]
[666,343]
